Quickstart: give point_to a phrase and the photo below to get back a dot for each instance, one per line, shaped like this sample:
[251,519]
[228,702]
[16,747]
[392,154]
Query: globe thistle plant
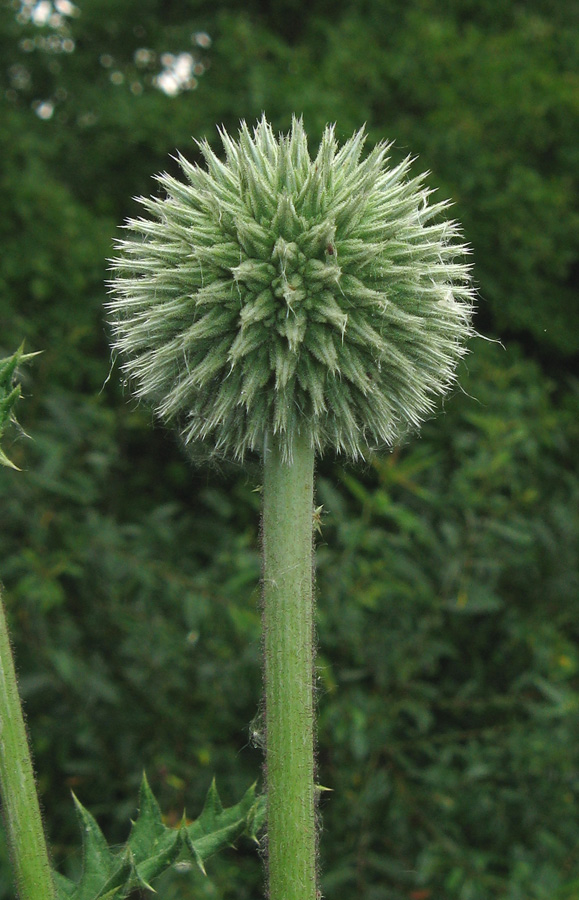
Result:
[276,294]
[286,305]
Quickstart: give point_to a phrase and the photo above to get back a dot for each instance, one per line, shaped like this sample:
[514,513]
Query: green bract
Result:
[273,293]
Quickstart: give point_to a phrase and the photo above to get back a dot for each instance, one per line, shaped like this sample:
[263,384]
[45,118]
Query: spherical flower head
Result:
[272,294]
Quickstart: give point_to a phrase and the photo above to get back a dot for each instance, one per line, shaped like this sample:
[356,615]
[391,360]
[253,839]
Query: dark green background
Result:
[448,576]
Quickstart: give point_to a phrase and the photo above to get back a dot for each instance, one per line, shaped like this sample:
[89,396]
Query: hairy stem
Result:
[289,651]
[19,800]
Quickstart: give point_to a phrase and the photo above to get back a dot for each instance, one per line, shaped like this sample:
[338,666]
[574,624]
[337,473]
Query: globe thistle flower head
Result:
[272,293]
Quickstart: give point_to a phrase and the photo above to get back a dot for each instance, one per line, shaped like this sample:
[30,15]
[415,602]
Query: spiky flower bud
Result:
[275,294]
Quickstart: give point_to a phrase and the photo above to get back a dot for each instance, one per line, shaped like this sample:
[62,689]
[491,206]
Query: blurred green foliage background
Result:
[447,571]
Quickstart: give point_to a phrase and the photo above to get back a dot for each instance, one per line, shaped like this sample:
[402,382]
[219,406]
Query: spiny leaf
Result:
[9,394]
[98,863]
[153,847]
[217,827]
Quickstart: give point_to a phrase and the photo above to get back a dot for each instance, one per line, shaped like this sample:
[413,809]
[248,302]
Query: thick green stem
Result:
[289,651]
[19,800]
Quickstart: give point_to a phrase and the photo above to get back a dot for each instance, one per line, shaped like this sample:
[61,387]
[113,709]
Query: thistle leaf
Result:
[9,395]
[153,847]
[98,863]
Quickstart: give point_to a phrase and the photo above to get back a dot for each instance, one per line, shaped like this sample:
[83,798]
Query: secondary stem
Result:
[289,651]
[19,800]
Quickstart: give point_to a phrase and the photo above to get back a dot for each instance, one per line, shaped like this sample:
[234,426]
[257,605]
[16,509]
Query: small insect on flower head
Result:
[271,294]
